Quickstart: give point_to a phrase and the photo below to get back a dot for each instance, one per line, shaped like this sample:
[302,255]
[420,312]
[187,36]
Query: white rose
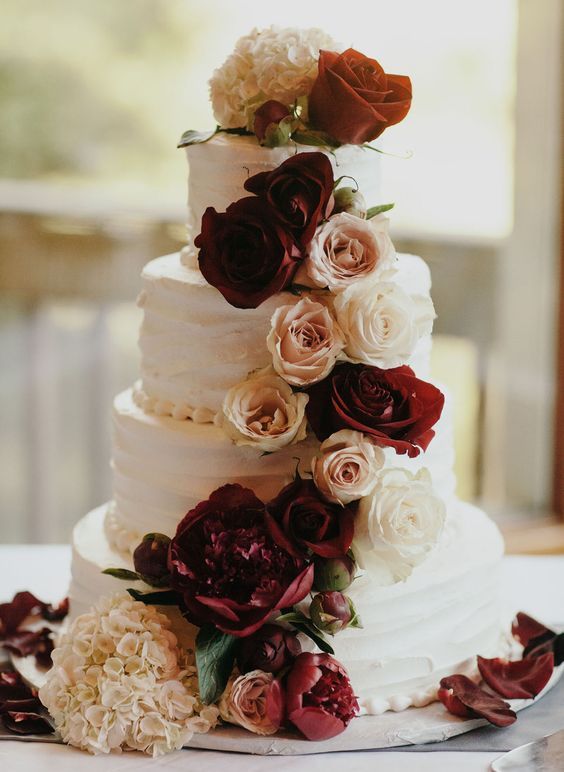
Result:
[244,702]
[304,341]
[264,411]
[347,248]
[381,323]
[397,525]
[348,466]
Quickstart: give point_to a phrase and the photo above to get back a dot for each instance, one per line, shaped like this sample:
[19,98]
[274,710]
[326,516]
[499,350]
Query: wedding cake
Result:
[283,468]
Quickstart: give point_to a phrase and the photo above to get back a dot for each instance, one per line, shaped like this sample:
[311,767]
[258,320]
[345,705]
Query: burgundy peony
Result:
[150,559]
[320,701]
[463,698]
[331,612]
[354,100]
[300,519]
[522,679]
[229,569]
[300,191]
[393,406]
[267,118]
[270,649]
[333,573]
[245,252]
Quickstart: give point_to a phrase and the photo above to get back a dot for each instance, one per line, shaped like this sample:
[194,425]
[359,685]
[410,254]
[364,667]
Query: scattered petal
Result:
[463,698]
[25,604]
[523,679]
[36,642]
[525,628]
[26,723]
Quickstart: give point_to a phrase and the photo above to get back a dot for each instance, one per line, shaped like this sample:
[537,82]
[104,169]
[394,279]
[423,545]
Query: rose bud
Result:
[331,612]
[350,200]
[333,573]
[150,559]
[269,125]
[269,649]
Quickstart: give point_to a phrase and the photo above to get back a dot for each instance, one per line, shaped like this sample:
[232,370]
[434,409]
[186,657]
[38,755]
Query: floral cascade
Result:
[260,578]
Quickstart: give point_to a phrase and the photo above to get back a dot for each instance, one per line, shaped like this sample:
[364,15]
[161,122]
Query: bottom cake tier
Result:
[414,632]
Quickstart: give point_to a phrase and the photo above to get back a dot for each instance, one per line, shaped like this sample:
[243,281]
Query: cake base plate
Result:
[413,726]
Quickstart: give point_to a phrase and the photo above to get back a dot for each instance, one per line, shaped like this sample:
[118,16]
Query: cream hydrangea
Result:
[119,681]
[273,63]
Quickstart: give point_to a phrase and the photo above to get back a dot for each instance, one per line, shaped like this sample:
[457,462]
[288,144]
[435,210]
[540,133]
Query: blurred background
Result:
[93,98]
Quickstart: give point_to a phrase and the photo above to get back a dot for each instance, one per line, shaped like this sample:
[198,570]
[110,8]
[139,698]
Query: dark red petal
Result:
[522,679]
[525,628]
[26,642]
[465,699]
[316,724]
[26,723]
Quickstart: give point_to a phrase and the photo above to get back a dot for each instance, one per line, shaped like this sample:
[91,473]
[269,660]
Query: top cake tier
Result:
[219,168]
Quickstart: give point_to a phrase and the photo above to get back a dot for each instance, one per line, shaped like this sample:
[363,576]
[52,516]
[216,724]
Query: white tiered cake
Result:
[284,495]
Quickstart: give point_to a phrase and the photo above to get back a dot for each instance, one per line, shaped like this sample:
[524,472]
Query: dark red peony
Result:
[270,649]
[393,407]
[301,520]
[227,566]
[354,100]
[320,701]
[246,253]
[267,118]
[300,190]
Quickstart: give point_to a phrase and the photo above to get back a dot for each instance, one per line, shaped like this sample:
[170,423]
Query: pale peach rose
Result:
[304,341]
[381,323]
[244,702]
[347,467]
[346,249]
[264,411]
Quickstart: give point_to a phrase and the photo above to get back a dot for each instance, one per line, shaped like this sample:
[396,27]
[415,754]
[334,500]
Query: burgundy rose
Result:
[229,569]
[354,100]
[245,252]
[300,190]
[267,118]
[320,701]
[300,519]
[270,649]
[393,407]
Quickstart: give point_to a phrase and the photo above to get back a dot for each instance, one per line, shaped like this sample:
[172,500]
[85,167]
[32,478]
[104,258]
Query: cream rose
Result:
[347,248]
[381,323]
[264,411]
[304,341]
[244,702]
[347,467]
[397,525]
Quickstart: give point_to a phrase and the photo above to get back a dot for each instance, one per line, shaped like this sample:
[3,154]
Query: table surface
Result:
[531,584]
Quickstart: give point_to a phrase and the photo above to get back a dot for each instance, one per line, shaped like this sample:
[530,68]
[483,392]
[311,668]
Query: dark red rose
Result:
[246,253]
[320,701]
[354,100]
[270,649]
[393,407]
[150,559]
[300,190]
[300,519]
[268,114]
[522,679]
[463,698]
[227,566]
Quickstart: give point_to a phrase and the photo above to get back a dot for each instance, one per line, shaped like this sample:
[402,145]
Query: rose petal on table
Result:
[548,642]
[463,698]
[25,604]
[36,642]
[522,679]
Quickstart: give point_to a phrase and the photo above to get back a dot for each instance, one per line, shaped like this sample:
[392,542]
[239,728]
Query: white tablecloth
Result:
[531,584]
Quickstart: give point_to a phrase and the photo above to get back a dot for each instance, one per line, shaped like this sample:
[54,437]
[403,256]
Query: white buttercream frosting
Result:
[414,632]
[195,346]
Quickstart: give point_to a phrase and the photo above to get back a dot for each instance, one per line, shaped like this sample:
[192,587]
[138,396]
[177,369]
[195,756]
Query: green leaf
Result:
[374,210]
[291,617]
[316,138]
[166,598]
[215,655]
[192,137]
[123,573]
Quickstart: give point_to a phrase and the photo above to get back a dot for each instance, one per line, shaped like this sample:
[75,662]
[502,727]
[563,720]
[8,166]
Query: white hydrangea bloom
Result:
[119,681]
[272,63]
